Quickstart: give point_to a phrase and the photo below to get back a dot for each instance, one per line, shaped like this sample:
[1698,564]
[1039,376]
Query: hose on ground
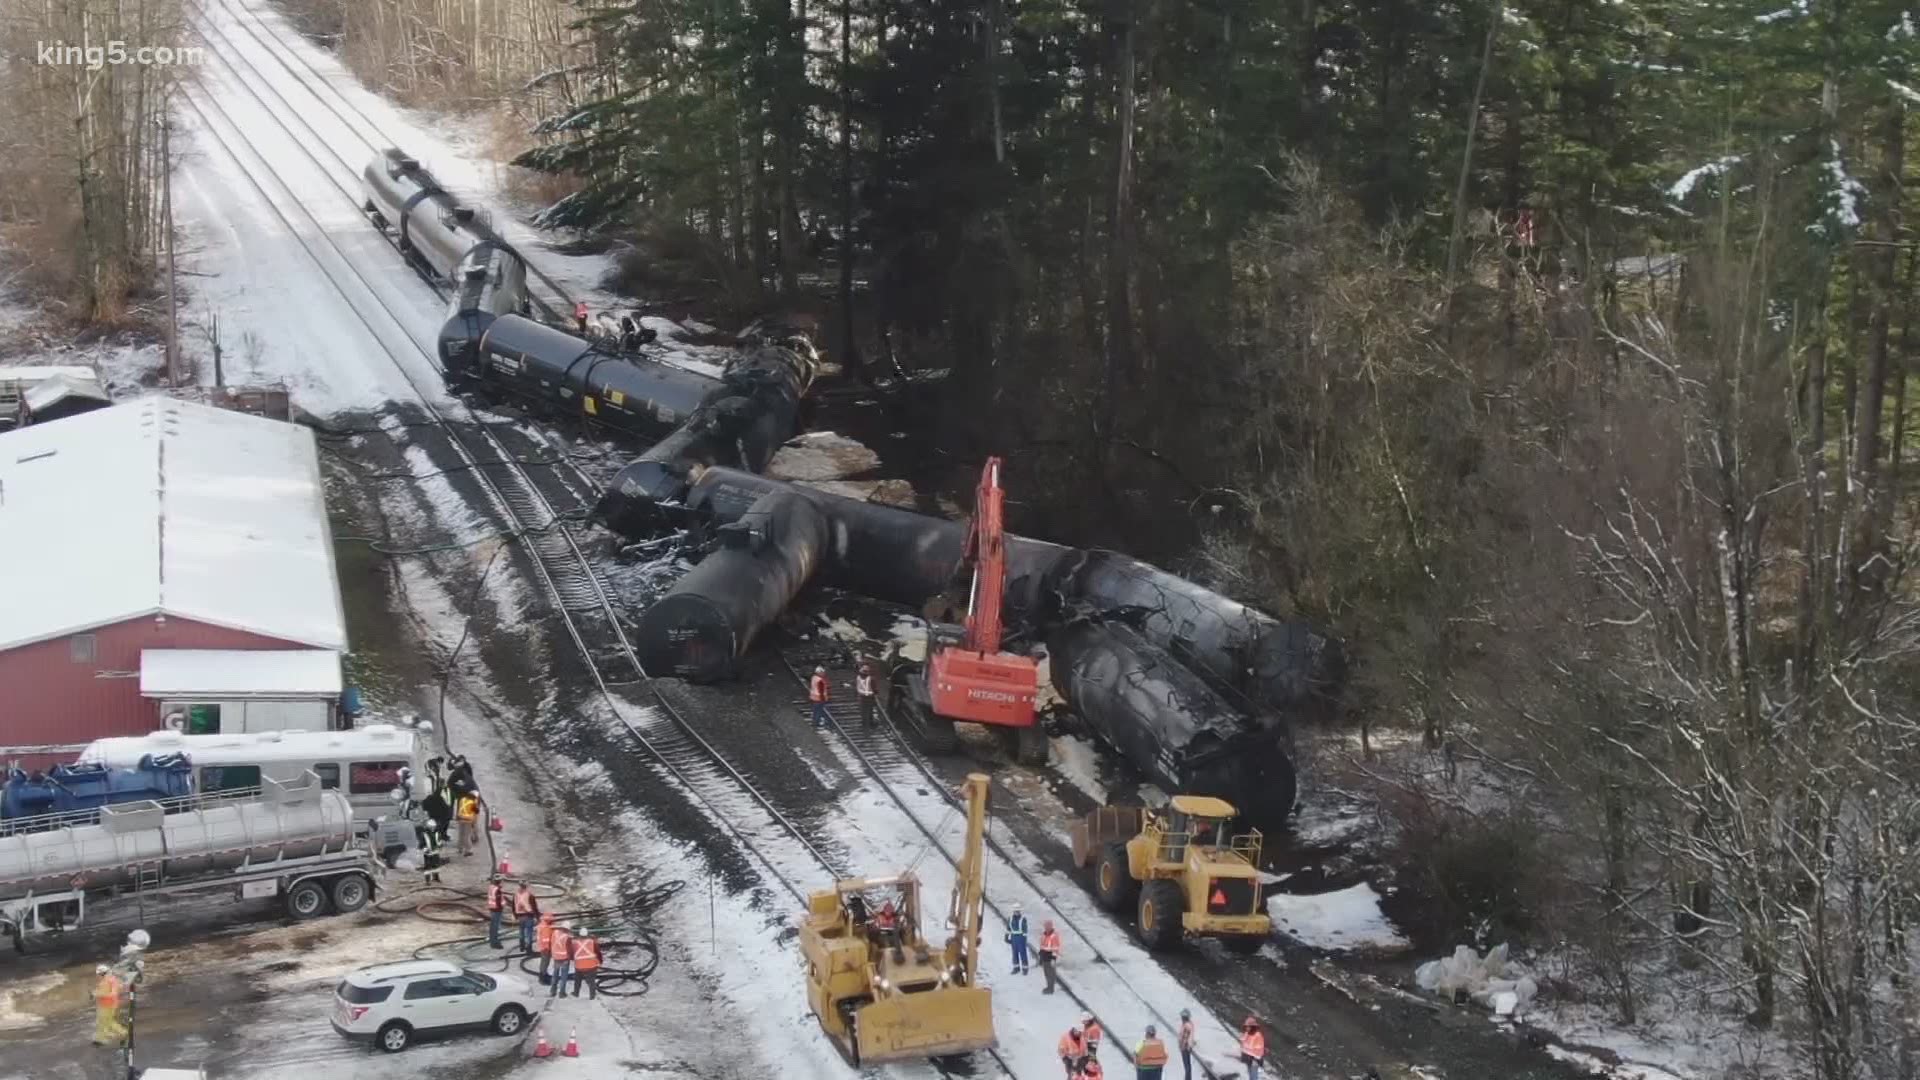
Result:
[629,949]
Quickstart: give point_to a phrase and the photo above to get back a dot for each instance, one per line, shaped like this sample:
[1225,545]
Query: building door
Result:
[203,719]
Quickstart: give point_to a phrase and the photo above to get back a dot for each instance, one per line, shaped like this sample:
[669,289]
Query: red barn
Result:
[153,525]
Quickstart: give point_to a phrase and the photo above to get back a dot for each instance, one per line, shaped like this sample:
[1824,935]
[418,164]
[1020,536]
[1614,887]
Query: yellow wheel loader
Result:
[881,991]
[1179,870]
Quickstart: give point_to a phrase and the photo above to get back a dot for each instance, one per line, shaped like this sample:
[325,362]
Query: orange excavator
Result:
[968,678]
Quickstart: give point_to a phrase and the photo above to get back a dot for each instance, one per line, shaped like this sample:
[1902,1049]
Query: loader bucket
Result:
[952,1020]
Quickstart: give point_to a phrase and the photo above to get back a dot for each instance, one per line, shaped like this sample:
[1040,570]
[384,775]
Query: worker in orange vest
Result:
[1091,1025]
[543,943]
[586,962]
[818,693]
[1073,1052]
[1049,953]
[109,994]
[1150,1057]
[560,948]
[1092,1071]
[526,908]
[1253,1047]
[1186,1041]
[580,316]
[496,910]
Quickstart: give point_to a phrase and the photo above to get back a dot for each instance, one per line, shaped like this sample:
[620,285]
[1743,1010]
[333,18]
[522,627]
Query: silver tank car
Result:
[287,822]
[435,229]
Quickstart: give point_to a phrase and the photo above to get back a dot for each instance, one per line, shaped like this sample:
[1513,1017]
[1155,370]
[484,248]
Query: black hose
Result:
[629,949]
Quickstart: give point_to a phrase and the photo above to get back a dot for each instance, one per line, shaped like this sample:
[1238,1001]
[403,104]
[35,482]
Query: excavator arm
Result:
[986,550]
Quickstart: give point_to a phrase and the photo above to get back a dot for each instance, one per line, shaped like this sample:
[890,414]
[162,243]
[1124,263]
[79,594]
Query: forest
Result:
[1553,354]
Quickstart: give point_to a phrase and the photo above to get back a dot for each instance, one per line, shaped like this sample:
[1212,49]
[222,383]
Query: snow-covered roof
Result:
[160,506]
[237,673]
[54,387]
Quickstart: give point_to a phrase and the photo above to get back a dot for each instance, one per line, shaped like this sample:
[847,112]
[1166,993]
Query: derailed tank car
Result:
[435,230]
[707,621]
[519,359]
[1167,722]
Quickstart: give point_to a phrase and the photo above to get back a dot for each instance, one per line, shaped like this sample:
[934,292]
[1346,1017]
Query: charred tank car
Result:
[1168,722]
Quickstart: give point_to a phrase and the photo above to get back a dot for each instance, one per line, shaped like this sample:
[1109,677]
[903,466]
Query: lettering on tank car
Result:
[666,415]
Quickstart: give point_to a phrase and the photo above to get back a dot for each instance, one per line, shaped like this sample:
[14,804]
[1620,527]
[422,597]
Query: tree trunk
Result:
[1466,160]
[849,348]
[1883,261]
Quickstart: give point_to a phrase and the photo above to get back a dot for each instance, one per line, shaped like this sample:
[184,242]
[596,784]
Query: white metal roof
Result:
[159,506]
[234,673]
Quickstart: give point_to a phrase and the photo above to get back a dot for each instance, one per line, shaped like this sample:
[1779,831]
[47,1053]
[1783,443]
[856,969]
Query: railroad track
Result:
[557,303]
[926,799]
[579,599]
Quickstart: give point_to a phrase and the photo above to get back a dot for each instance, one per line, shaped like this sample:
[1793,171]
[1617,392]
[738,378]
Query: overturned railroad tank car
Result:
[741,425]
[520,359]
[703,625]
[435,230]
[1275,668]
[1167,722]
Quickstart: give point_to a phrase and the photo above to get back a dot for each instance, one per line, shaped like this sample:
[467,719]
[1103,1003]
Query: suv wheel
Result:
[394,1037]
[509,1020]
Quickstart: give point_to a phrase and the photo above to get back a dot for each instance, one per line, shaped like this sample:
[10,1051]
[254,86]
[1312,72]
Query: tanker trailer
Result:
[295,841]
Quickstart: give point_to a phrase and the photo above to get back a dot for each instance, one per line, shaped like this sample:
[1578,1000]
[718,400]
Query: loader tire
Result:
[1113,883]
[1161,905]
[1031,746]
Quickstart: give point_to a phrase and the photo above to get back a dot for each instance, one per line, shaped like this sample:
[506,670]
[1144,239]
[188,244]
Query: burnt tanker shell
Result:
[1166,721]
[1273,666]
[708,620]
[743,428]
[882,551]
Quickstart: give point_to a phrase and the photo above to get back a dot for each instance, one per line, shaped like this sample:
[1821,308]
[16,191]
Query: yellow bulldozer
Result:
[1179,869]
[881,991]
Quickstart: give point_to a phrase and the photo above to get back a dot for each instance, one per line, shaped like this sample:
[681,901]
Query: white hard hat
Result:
[101,969]
[139,939]
[820,669]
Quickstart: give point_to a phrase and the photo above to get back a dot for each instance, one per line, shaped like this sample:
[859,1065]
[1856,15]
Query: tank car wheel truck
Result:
[1178,869]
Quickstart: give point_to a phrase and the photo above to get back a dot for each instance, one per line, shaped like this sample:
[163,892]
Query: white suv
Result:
[391,1004]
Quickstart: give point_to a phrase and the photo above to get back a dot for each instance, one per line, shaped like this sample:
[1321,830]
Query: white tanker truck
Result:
[295,841]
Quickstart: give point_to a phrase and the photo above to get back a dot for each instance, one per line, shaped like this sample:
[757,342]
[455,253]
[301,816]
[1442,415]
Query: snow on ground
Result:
[301,287]
[1681,1034]
[1078,761]
[1343,920]
[1617,1072]
[359,124]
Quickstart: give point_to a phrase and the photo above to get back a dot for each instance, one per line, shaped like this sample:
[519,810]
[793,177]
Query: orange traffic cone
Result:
[573,1043]
[541,1047]
[506,861]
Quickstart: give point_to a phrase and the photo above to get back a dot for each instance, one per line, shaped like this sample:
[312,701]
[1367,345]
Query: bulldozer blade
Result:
[953,1020]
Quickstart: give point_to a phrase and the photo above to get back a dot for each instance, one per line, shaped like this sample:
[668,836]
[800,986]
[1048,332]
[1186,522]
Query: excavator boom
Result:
[986,547]
[976,681]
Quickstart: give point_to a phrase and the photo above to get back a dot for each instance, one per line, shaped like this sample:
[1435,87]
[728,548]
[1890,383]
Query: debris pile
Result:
[1491,981]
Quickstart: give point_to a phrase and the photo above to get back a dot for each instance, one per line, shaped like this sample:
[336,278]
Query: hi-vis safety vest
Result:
[561,943]
[1253,1045]
[543,939]
[586,954]
[496,897]
[523,902]
[1186,1034]
[1050,942]
[817,688]
[107,993]
[1072,1045]
[863,685]
[1152,1052]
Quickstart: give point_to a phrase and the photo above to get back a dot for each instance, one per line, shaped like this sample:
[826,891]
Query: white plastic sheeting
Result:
[1491,981]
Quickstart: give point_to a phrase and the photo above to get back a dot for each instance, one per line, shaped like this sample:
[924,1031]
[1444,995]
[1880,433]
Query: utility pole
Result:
[166,190]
